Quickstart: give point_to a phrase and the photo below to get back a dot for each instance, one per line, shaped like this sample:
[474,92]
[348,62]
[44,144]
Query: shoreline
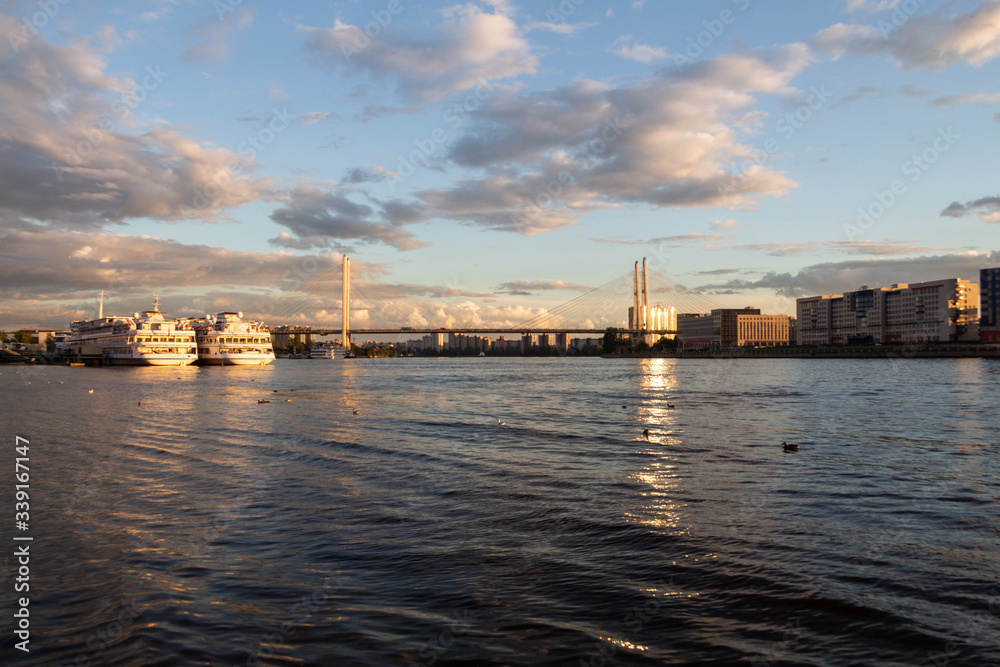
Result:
[881,352]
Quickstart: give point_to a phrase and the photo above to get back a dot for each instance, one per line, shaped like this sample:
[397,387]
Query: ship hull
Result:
[140,361]
[256,360]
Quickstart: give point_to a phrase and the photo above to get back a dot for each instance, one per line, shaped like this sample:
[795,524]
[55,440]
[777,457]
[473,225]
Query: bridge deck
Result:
[407,332]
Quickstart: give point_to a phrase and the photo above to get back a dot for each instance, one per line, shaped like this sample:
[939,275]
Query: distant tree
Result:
[666,344]
[610,339]
[4,338]
[24,338]
[50,343]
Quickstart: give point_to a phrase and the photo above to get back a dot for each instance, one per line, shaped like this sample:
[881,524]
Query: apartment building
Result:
[934,311]
[989,305]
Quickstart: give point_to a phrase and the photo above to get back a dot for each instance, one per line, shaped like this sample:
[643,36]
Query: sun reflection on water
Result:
[658,505]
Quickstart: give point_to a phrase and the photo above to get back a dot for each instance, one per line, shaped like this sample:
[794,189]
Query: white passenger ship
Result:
[149,339]
[327,350]
[229,341]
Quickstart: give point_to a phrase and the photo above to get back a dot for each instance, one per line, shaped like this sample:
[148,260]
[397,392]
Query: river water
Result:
[205,528]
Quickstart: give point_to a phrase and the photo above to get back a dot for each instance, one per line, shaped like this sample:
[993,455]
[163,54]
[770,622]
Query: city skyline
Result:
[494,158]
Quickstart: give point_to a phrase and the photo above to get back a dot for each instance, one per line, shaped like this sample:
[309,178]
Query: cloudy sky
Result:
[491,158]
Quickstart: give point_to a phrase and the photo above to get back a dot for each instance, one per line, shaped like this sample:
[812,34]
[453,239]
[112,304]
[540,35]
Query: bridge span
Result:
[480,330]
[623,303]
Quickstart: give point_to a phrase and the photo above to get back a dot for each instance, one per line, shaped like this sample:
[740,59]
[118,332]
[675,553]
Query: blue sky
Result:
[216,151]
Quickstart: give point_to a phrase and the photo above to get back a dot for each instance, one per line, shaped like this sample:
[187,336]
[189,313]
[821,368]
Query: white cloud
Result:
[669,140]
[214,36]
[470,47]
[931,41]
[988,209]
[725,225]
[320,219]
[871,6]
[559,28]
[67,157]
[65,263]
[313,117]
[840,277]
[987,99]
[643,53]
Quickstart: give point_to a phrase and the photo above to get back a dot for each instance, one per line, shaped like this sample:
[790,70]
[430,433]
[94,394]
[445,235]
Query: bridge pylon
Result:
[346,305]
[639,322]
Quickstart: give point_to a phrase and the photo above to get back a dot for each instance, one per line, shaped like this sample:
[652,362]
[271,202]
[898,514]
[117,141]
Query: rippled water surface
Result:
[204,528]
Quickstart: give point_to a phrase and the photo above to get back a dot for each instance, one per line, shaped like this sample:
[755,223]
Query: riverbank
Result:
[853,352]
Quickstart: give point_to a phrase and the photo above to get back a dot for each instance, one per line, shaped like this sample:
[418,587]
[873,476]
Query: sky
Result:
[492,159]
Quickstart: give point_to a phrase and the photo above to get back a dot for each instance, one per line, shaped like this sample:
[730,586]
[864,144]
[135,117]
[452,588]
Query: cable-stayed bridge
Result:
[400,309]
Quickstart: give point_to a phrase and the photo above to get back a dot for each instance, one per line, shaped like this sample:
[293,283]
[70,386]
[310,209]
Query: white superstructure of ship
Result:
[327,350]
[228,340]
[147,339]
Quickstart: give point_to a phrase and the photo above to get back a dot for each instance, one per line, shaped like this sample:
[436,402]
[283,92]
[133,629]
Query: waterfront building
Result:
[700,331]
[656,318]
[989,305]
[37,338]
[528,342]
[928,312]
[562,342]
[579,344]
[507,345]
[285,337]
[733,327]
[763,330]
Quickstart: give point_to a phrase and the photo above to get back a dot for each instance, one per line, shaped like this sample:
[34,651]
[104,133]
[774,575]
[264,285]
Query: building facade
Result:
[656,318]
[763,330]
[733,327]
[989,305]
[284,337]
[929,312]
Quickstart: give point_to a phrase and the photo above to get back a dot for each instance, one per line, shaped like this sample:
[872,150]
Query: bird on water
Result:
[501,423]
[789,448]
[645,432]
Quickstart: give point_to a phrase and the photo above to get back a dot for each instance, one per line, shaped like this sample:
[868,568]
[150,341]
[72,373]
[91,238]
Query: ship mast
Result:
[156,303]
[100,309]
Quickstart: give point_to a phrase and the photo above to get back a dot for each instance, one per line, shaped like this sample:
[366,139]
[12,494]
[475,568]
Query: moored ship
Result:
[327,350]
[149,339]
[227,340]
